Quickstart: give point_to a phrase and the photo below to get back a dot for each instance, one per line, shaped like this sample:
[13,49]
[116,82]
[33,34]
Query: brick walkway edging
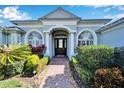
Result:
[71,79]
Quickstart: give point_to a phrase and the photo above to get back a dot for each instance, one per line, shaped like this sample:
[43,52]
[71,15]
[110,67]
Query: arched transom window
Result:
[85,38]
[35,39]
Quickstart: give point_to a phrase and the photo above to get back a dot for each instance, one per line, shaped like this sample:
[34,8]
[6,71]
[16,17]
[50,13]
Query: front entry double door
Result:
[60,46]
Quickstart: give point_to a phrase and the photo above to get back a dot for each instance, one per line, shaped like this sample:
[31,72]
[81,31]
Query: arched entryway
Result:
[60,41]
[65,36]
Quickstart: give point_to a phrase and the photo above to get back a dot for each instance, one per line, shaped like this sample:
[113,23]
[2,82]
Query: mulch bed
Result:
[72,81]
[75,75]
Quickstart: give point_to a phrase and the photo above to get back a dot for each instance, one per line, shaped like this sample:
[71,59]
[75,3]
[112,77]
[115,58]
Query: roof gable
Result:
[60,13]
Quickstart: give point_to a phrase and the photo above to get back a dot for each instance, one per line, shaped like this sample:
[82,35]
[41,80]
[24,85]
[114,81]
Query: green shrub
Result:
[13,53]
[30,66]
[13,69]
[28,69]
[74,60]
[103,58]
[43,61]
[90,58]
[9,71]
[94,57]
[39,68]
[34,59]
[119,57]
[34,65]
[12,58]
[108,78]
[85,75]
[2,75]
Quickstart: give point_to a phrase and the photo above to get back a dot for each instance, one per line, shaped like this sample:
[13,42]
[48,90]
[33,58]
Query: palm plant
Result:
[13,53]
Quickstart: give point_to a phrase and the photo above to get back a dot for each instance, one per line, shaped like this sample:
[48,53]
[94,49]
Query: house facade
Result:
[62,31]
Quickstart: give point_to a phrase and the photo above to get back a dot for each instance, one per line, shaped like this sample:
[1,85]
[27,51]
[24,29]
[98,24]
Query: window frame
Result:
[93,42]
[33,41]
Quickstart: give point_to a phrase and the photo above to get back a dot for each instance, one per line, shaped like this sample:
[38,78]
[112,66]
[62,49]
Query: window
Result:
[35,39]
[85,38]
[60,43]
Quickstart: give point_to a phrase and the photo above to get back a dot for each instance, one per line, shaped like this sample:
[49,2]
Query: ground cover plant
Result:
[12,84]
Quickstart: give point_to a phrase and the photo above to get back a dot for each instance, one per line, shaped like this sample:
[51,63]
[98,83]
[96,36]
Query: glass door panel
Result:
[60,46]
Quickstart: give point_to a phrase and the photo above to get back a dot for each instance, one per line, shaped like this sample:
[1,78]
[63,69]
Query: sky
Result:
[33,12]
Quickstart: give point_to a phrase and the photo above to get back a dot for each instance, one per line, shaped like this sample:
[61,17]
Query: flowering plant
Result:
[40,50]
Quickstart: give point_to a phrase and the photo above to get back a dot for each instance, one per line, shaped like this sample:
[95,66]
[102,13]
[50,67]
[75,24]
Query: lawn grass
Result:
[11,84]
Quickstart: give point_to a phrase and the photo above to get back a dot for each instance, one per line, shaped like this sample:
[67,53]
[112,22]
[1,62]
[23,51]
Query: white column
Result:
[14,38]
[47,44]
[53,46]
[50,46]
[68,46]
[1,37]
[72,44]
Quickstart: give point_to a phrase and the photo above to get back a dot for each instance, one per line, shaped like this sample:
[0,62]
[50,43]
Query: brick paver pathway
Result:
[57,74]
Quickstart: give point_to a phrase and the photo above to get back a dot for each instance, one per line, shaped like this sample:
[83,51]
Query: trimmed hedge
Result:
[119,57]
[94,57]
[84,74]
[99,65]
[91,58]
